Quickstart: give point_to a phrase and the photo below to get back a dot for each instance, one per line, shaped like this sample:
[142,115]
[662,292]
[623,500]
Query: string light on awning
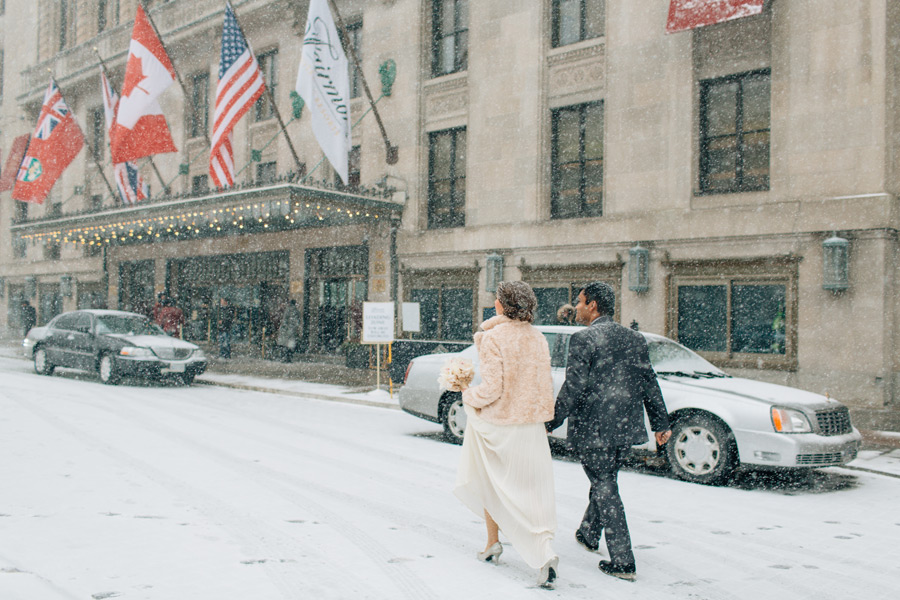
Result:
[263,215]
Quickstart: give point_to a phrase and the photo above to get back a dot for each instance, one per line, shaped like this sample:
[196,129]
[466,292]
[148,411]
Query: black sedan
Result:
[113,343]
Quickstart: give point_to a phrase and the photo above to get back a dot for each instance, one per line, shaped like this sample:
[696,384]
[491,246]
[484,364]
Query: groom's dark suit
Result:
[609,383]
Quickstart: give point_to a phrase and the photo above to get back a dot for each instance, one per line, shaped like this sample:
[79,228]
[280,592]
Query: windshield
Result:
[114,324]
[668,357]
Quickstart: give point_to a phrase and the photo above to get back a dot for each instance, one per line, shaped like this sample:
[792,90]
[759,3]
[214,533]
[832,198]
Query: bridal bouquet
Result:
[456,374]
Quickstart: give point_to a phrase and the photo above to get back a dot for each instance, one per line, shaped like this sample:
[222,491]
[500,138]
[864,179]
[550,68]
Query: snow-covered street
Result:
[205,493]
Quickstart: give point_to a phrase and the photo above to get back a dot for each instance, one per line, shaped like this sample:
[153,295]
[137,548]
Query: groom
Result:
[609,383]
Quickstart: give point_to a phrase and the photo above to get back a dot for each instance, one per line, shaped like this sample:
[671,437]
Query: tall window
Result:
[21,212]
[198,116]
[268,64]
[63,24]
[98,132]
[353,170]
[577,161]
[354,32]
[447,179]
[577,20]
[734,133]
[449,36]
[101,16]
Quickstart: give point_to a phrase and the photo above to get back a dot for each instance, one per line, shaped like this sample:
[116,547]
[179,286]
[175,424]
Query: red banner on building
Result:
[11,168]
[689,14]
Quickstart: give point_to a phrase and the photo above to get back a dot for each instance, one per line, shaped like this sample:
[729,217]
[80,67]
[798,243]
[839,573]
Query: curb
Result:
[343,399]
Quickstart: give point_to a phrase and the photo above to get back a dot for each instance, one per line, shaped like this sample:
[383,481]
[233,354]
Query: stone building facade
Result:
[703,174]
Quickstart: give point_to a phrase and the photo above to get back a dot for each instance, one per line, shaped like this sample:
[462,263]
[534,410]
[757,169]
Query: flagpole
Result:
[152,162]
[90,150]
[270,96]
[391,157]
[177,74]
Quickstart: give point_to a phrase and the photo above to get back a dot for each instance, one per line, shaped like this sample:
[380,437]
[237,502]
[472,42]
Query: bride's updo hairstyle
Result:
[518,300]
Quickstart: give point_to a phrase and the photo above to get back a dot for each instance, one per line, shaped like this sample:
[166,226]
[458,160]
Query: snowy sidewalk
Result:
[367,395]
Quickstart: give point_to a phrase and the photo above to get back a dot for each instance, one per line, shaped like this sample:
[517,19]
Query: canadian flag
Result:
[140,128]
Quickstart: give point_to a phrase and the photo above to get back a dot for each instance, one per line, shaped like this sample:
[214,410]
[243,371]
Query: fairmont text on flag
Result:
[324,84]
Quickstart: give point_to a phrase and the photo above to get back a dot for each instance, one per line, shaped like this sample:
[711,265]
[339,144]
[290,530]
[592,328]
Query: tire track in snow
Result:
[410,585]
[250,536]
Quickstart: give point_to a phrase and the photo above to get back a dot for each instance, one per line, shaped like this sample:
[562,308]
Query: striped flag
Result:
[131,185]
[240,85]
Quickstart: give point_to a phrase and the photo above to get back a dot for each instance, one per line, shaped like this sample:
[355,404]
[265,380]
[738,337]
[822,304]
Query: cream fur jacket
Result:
[516,386]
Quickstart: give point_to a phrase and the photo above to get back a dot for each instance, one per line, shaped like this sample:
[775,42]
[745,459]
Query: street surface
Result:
[203,493]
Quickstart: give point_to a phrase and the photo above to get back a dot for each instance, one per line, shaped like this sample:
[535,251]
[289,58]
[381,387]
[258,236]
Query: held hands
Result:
[662,437]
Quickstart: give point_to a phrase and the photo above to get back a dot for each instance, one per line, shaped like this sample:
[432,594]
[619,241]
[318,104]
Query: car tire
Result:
[42,364]
[702,450]
[452,414]
[187,379]
[107,370]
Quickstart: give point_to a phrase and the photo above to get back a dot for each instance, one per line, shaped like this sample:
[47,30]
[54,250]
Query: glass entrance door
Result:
[339,314]
[332,313]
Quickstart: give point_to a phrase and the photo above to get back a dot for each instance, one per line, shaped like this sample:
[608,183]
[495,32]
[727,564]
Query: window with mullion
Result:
[354,33]
[198,118]
[577,161]
[733,317]
[449,36]
[734,133]
[577,20]
[263,109]
[447,179]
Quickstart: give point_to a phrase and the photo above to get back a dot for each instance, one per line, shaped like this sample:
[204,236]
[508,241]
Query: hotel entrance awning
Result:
[261,209]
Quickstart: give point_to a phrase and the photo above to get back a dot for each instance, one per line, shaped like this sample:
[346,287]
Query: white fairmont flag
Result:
[323,82]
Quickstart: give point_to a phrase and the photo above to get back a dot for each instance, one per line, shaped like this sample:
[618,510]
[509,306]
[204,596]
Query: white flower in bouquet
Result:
[456,374]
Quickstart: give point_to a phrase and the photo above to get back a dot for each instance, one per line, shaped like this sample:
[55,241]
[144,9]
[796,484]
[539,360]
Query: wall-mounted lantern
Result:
[65,286]
[493,267]
[638,269]
[30,286]
[836,275]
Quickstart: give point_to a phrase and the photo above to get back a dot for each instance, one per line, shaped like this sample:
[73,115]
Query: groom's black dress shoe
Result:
[579,537]
[626,572]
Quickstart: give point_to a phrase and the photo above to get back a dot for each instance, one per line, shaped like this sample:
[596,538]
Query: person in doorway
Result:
[288,337]
[171,318]
[29,317]
[506,470]
[609,383]
[225,322]
[566,315]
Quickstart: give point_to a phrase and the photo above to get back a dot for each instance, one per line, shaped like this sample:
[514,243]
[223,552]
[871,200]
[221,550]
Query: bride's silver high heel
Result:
[492,554]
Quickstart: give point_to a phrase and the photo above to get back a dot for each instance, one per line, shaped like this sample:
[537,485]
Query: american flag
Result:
[53,111]
[240,85]
[132,187]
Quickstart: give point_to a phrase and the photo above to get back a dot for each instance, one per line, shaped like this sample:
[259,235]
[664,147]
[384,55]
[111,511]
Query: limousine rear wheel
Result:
[702,449]
[107,370]
[453,417]
[42,364]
